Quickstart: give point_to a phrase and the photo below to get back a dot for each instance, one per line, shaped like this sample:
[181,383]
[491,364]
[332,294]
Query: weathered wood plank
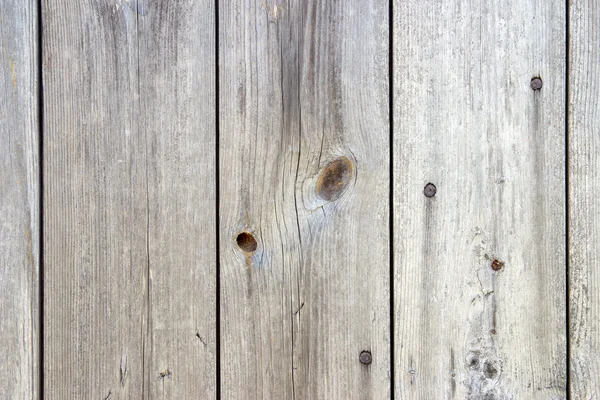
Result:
[304,199]
[129,199]
[178,104]
[584,207]
[95,203]
[467,120]
[19,201]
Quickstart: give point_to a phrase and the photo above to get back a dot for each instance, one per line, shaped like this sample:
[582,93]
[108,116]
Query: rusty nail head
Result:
[365,357]
[536,83]
[430,190]
[497,265]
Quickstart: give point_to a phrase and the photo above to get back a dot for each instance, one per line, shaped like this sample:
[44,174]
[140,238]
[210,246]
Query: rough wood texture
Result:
[467,120]
[178,103]
[19,201]
[584,208]
[129,167]
[304,169]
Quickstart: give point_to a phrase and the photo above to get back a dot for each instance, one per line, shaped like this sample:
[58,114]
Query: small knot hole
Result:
[490,370]
[246,242]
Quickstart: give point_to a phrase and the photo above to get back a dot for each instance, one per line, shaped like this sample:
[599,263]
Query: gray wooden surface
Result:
[467,120]
[177,84]
[282,203]
[304,169]
[584,206]
[129,200]
[19,201]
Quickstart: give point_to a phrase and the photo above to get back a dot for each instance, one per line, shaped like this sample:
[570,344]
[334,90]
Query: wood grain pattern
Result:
[129,199]
[178,102]
[584,208]
[19,201]
[304,169]
[467,120]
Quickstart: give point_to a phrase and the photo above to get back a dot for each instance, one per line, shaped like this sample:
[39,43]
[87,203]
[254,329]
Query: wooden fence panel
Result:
[129,199]
[304,199]
[584,208]
[480,266]
[19,201]
[178,104]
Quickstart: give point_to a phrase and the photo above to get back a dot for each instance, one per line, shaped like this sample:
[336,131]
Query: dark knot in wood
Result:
[335,179]
[246,242]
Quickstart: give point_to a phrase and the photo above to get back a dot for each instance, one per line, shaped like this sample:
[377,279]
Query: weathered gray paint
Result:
[303,84]
[19,201]
[467,120]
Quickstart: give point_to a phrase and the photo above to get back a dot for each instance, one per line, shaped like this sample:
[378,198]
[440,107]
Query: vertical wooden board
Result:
[95,203]
[178,105]
[467,120]
[128,207]
[584,207]
[304,199]
[19,201]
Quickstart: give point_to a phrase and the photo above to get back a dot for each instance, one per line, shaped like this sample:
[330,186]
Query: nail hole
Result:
[473,363]
[246,242]
[366,357]
[165,374]
[497,265]
[429,190]
[334,179]
[473,360]
[490,370]
[536,83]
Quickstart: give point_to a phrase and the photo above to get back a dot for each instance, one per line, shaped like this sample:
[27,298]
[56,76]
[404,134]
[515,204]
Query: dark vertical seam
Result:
[298,219]
[391,194]
[299,98]
[40,115]
[217,207]
[567,225]
[300,28]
